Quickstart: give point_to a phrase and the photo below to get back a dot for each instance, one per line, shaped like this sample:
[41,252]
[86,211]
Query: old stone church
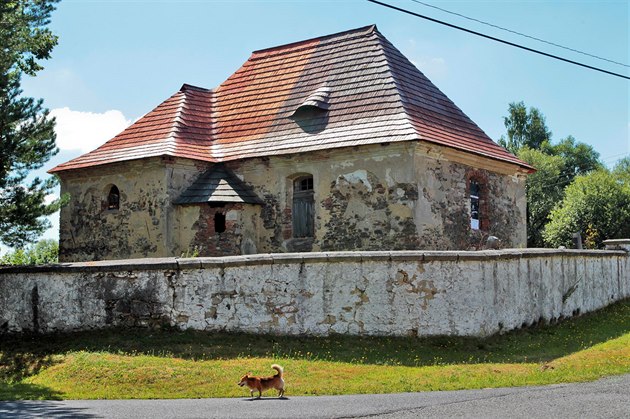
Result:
[333,143]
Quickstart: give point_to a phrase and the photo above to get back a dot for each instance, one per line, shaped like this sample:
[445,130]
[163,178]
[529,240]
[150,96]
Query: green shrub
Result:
[42,252]
[596,205]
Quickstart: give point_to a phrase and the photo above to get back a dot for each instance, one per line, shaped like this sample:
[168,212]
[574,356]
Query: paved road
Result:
[607,398]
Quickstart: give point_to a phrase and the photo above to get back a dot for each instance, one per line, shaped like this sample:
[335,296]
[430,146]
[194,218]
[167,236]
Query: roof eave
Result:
[59,169]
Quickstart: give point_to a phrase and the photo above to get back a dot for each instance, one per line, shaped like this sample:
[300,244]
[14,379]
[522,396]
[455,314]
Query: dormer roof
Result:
[218,185]
[319,99]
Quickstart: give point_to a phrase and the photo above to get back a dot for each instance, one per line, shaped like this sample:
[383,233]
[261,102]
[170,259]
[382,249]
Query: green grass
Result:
[118,364]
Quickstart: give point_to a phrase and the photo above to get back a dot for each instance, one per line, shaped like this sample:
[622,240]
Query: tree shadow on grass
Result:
[24,391]
[15,365]
[22,356]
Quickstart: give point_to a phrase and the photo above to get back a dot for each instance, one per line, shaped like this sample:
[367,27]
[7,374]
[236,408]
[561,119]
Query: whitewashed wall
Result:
[370,293]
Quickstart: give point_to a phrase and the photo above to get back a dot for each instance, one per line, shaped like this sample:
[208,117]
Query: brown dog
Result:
[264,383]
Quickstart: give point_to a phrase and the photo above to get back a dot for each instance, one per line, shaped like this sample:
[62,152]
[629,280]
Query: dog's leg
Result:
[251,393]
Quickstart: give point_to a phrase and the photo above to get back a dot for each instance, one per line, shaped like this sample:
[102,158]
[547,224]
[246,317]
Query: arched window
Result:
[113,198]
[303,211]
[475,216]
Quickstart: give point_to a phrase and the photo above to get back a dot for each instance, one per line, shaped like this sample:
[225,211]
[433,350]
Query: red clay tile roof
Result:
[179,126]
[373,94]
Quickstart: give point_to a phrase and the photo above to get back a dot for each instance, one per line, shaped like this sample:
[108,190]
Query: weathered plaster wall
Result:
[399,196]
[89,231]
[147,224]
[442,213]
[180,221]
[367,293]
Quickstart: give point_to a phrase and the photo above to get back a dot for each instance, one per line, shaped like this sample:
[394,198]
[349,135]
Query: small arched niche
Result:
[112,201]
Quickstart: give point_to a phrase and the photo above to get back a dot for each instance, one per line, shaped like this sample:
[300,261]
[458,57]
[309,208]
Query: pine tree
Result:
[27,137]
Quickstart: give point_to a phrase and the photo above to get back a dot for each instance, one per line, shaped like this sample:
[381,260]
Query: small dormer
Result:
[316,102]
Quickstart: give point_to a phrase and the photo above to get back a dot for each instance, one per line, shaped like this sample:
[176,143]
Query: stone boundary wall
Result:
[365,293]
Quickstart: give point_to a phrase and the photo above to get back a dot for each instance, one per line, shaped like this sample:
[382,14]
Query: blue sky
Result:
[116,60]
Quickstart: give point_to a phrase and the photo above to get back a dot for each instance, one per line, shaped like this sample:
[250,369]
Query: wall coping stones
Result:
[189,263]
[98,266]
[405,255]
[347,257]
[374,255]
[617,244]
[448,255]
[287,258]
[309,257]
[314,257]
[246,260]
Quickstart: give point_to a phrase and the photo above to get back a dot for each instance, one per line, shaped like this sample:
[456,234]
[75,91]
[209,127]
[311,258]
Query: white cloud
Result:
[85,131]
[421,54]
[433,68]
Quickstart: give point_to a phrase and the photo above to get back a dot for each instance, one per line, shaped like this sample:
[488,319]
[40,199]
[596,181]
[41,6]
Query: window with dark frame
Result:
[113,198]
[303,207]
[475,190]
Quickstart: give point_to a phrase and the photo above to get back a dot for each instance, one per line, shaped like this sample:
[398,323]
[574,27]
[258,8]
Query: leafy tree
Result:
[622,170]
[27,138]
[578,158]
[544,190]
[42,252]
[524,128]
[597,205]
[557,164]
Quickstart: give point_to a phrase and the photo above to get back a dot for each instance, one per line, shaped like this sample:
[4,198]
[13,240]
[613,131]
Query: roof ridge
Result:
[181,121]
[413,67]
[178,124]
[185,87]
[392,53]
[365,30]
[380,42]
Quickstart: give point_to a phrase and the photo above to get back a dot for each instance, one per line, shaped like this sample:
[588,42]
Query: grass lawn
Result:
[120,364]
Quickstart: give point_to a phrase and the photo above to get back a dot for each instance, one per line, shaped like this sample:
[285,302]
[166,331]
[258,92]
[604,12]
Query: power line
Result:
[520,33]
[553,185]
[615,157]
[563,178]
[498,39]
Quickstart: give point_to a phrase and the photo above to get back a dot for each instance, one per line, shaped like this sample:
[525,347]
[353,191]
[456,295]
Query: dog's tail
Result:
[279,369]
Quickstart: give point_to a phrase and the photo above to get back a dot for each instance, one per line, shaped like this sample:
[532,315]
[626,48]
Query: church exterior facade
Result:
[332,144]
